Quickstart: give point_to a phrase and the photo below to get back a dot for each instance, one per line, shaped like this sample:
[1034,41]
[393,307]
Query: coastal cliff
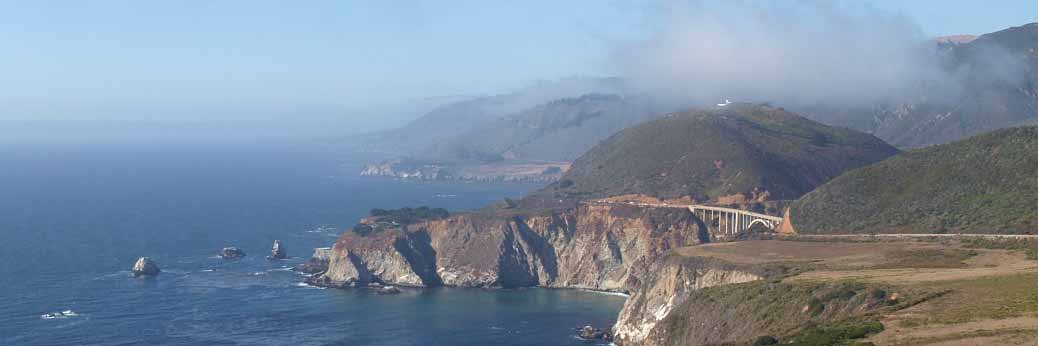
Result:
[593,246]
[669,284]
[617,248]
[561,237]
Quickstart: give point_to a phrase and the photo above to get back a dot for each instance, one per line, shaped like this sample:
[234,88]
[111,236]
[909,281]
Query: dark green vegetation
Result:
[742,148]
[985,184]
[841,333]
[390,218]
[799,312]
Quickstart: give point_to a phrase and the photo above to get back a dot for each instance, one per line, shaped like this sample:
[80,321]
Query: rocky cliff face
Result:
[619,248]
[668,284]
[593,246]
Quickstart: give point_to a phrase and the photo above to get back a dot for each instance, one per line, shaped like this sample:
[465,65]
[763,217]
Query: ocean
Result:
[74,216]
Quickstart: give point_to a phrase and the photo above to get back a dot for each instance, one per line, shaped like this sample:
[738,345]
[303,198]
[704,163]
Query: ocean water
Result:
[75,216]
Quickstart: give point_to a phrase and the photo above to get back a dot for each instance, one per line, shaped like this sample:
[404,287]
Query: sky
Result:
[359,63]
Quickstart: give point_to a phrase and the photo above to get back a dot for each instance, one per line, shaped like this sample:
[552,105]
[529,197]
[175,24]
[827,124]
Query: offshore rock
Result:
[145,266]
[278,251]
[318,263]
[592,333]
[231,252]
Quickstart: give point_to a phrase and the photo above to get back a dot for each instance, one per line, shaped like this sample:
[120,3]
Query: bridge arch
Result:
[766,223]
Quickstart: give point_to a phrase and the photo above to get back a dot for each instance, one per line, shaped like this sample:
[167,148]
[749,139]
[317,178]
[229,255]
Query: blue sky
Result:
[203,60]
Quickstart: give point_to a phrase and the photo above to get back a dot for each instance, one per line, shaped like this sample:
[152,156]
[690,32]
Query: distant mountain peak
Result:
[956,39]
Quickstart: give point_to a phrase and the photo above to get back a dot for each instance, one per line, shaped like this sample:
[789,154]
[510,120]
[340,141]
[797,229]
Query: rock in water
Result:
[389,290]
[278,252]
[592,333]
[231,252]
[145,267]
[318,263]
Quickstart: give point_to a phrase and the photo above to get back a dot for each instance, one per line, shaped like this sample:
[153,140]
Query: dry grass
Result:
[990,293]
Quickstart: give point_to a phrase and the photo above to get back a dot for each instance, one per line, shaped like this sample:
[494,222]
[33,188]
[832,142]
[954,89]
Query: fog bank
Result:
[806,52]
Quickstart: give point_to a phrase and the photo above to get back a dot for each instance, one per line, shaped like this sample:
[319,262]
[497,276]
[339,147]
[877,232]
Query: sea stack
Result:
[145,267]
[231,252]
[278,251]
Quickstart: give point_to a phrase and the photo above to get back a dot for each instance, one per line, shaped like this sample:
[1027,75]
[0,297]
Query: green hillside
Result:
[705,154]
[984,184]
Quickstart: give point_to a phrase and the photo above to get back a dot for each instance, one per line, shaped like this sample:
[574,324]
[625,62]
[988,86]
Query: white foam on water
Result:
[306,285]
[121,273]
[618,294]
[59,315]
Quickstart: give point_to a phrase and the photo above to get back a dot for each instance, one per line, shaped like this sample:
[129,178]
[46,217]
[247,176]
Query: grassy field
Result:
[948,291]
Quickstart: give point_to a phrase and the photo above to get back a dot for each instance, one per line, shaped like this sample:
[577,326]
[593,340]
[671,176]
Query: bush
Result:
[510,203]
[766,341]
[838,334]
[362,229]
[815,307]
[565,183]
[407,215]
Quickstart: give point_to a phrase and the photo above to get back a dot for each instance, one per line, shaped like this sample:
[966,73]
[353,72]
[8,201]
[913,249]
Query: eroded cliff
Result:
[593,246]
[669,284]
[619,248]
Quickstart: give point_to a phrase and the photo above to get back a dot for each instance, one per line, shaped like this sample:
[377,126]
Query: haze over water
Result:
[75,217]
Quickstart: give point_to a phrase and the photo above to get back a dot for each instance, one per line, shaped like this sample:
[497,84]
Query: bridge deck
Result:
[694,207]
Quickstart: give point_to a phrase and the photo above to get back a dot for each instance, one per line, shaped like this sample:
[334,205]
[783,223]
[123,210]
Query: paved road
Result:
[921,235]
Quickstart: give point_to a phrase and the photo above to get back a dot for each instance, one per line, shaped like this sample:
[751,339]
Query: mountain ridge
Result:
[983,184]
[753,150]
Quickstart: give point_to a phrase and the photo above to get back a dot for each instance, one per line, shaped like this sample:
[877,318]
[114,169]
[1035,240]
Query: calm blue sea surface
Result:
[74,217]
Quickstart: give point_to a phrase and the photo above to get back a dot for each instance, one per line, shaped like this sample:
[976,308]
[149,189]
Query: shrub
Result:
[510,203]
[766,341]
[815,307]
[837,334]
[407,215]
[362,229]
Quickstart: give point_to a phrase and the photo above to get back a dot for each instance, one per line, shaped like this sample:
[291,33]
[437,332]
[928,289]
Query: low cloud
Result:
[799,53]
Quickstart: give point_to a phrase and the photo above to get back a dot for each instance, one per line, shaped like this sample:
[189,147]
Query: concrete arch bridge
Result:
[724,221]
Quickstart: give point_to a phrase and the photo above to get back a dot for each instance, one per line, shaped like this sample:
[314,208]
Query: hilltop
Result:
[560,130]
[535,144]
[455,118]
[984,184]
[990,82]
[741,152]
